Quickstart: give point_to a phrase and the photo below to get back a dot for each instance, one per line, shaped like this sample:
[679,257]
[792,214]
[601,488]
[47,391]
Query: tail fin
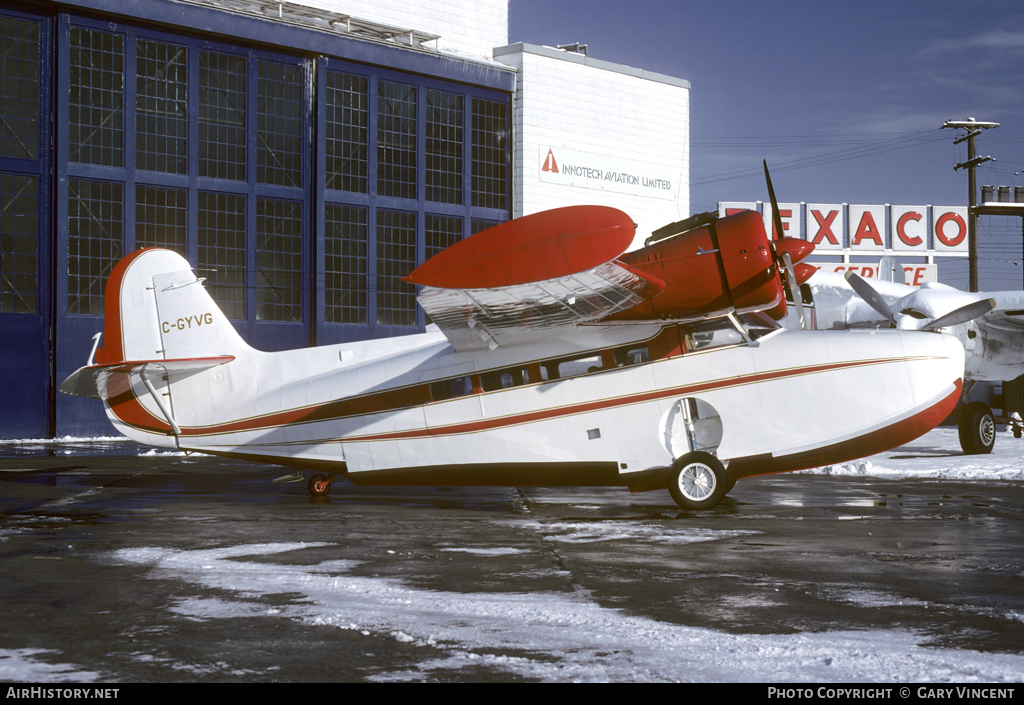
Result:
[156,309]
[161,326]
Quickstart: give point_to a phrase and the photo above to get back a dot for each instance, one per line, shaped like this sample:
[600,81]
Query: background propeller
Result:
[871,297]
[962,314]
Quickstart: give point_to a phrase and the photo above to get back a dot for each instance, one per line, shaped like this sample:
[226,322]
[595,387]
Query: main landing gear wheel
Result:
[977,429]
[698,481]
[319,485]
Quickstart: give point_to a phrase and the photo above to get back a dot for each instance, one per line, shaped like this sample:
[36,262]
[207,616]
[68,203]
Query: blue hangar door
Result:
[165,140]
[25,317]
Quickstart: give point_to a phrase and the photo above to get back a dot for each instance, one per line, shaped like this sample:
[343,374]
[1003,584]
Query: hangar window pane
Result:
[222,117]
[161,108]
[396,139]
[95,223]
[490,154]
[19,227]
[279,124]
[348,117]
[442,231]
[479,225]
[96,97]
[278,260]
[396,257]
[345,264]
[222,250]
[19,88]
[444,147]
[161,218]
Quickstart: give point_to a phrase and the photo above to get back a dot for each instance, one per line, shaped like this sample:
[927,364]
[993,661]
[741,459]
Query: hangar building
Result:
[303,157]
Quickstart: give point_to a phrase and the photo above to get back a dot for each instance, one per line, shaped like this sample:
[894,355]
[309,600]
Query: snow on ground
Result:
[937,455]
[547,636]
[63,440]
[25,666]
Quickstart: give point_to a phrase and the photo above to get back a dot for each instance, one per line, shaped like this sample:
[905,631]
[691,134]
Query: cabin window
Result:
[504,379]
[631,355]
[714,333]
[571,367]
[451,388]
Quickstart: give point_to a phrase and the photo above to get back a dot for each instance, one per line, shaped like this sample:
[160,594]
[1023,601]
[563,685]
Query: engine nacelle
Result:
[727,264]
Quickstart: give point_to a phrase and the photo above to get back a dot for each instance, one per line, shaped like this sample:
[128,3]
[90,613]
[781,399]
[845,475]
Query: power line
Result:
[880,146]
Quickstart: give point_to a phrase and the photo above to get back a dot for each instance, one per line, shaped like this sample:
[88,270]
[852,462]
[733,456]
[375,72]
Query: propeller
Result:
[871,297]
[784,248]
[963,314]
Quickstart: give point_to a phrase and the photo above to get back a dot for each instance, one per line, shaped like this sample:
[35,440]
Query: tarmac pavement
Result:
[126,568]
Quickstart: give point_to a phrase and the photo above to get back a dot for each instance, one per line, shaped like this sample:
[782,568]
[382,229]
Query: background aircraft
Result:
[989,325]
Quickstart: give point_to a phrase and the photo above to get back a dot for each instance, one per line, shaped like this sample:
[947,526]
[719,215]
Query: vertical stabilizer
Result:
[156,309]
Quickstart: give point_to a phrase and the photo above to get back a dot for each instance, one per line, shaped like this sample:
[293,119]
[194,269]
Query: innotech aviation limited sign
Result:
[601,172]
[839,228]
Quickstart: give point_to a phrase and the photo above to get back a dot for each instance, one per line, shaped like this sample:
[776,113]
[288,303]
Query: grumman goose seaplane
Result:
[559,359]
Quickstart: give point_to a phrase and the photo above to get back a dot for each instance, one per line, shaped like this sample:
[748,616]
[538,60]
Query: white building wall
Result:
[615,119]
[471,27]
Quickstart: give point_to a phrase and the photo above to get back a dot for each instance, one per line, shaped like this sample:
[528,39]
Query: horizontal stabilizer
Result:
[113,378]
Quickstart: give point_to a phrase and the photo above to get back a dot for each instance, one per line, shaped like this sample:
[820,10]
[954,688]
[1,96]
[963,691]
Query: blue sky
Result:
[844,99]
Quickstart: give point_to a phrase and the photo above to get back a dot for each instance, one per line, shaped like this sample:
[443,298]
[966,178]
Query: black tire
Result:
[729,484]
[698,481]
[977,429]
[319,485]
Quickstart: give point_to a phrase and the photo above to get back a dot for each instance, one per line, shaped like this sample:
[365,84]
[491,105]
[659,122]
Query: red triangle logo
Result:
[550,164]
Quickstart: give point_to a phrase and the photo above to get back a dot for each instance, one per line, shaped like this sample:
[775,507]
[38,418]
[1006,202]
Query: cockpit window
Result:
[757,324]
[714,333]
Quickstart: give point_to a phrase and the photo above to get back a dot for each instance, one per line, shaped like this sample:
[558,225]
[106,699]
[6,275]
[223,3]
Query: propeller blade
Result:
[804,272]
[786,249]
[962,314]
[870,296]
[794,288]
[776,216]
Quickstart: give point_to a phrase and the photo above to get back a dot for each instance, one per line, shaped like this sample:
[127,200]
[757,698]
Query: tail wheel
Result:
[319,485]
[698,481]
[977,429]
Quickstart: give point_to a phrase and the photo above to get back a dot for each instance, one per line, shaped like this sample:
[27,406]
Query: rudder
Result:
[156,309]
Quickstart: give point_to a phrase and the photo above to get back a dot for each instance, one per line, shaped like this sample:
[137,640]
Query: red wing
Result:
[547,245]
[559,268]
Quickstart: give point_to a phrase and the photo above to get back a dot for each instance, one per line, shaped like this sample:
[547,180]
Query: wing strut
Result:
[168,416]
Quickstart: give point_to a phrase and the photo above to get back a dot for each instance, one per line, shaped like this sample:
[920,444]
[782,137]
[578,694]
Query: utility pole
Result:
[974,129]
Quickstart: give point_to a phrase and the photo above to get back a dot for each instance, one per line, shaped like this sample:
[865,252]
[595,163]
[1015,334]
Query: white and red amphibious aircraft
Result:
[560,360]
